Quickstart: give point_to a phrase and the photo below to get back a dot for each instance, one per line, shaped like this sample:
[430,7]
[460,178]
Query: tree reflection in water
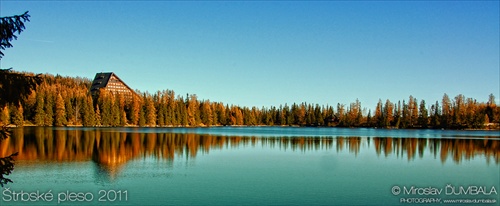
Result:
[110,150]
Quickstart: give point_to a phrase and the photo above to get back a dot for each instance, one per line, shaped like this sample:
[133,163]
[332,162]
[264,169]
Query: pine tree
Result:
[193,111]
[288,115]
[142,118]
[70,110]
[446,111]
[115,112]
[423,118]
[492,109]
[162,110]
[106,106]
[435,115]
[459,111]
[171,109]
[413,111]
[397,115]
[320,119]
[471,114]
[405,115]
[60,117]
[17,115]
[123,118]
[221,114]
[5,116]
[150,112]
[134,111]
[49,111]
[88,112]
[341,114]
[121,110]
[98,119]
[369,119]
[301,114]
[39,111]
[181,112]
[388,115]
[238,116]
[206,113]
[379,115]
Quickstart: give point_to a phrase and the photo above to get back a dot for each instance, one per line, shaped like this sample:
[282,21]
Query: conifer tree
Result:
[88,112]
[17,115]
[120,101]
[388,115]
[215,119]
[60,117]
[435,115]
[123,118]
[341,114]
[405,115]
[181,112]
[206,113]
[193,110]
[492,109]
[106,106]
[171,119]
[378,117]
[150,112]
[221,114]
[446,111]
[39,111]
[70,110]
[5,116]
[397,115]
[134,111]
[115,111]
[458,110]
[142,118]
[423,118]
[288,115]
[49,111]
[238,116]
[369,119]
[162,110]
[413,111]
[12,86]
[98,119]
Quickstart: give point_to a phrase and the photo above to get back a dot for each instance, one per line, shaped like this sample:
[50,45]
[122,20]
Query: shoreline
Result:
[291,126]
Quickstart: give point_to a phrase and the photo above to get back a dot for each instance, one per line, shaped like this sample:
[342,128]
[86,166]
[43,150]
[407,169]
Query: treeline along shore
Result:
[66,101]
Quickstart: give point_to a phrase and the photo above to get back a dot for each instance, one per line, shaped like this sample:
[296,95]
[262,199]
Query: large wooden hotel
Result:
[111,82]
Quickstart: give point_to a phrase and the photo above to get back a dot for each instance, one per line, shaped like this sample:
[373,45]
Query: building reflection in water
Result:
[111,149]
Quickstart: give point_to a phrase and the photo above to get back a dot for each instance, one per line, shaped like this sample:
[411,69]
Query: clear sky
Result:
[269,53]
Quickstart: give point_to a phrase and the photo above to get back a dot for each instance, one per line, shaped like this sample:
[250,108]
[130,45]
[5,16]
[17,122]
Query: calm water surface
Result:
[251,166]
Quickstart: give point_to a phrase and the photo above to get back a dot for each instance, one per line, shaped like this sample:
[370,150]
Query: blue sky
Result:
[269,53]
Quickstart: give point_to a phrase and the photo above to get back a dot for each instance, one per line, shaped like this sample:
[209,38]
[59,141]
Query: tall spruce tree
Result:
[5,115]
[49,109]
[150,112]
[446,111]
[39,111]
[60,117]
[423,116]
[13,87]
[88,112]
[17,115]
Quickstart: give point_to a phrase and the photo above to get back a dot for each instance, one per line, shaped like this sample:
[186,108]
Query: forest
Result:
[66,101]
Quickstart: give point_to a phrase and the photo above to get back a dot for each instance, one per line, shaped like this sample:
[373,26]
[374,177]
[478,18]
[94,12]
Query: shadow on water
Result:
[111,150]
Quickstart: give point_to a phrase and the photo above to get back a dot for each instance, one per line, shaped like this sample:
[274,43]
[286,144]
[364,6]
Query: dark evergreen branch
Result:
[6,167]
[9,26]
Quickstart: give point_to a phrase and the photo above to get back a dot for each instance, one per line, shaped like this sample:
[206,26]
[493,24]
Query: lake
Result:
[251,166]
